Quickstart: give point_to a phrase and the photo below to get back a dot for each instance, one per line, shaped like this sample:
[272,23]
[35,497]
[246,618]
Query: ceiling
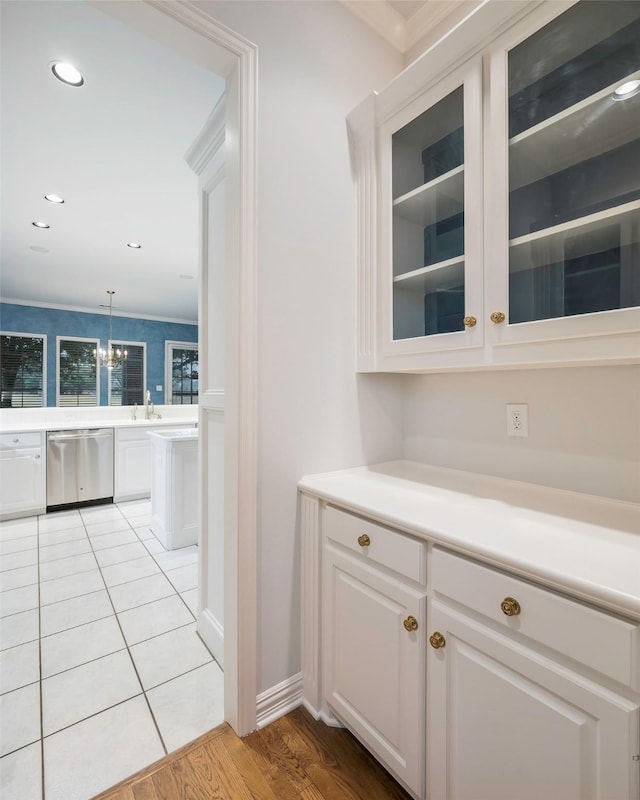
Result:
[113,148]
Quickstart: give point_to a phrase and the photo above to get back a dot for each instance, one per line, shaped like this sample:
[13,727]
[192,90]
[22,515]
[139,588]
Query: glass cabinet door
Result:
[431,236]
[574,164]
[428,221]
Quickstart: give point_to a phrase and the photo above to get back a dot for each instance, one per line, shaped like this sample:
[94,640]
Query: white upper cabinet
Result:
[431,231]
[500,196]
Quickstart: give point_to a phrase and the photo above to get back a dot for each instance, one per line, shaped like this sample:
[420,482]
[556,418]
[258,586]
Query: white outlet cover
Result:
[158,388]
[517,419]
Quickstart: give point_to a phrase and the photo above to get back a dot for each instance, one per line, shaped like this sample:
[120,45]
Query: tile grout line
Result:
[133,663]
[174,590]
[40,665]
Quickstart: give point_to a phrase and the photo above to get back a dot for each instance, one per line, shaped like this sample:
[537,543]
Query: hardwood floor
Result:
[294,758]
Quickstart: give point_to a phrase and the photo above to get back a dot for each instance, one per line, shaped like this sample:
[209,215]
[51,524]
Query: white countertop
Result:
[58,419]
[175,435]
[583,544]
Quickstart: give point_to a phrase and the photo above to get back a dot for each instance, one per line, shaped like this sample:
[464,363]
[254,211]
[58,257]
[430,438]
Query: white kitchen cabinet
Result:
[508,717]
[499,195]
[175,510]
[531,635]
[374,642]
[23,474]
[132,478]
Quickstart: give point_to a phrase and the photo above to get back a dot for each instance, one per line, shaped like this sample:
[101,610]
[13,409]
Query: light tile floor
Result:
[101,669]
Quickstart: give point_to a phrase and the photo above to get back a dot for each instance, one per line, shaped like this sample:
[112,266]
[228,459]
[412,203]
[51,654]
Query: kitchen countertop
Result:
[70,425]
[582,544]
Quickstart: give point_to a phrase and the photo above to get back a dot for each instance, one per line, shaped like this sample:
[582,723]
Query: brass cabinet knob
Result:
[364,540]
[436,640]
[510,607]
[410,624]
[470,322]
[497,317]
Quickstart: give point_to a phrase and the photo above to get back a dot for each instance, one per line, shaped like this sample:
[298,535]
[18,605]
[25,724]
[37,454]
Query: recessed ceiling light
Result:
[626,90]
[134,245]
[54,198]
[67,73]
[40,225]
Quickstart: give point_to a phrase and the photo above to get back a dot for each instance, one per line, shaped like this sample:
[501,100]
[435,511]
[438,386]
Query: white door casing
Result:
[236,401]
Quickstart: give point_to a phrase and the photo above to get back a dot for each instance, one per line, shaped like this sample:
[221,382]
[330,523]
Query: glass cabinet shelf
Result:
[437,277]
[571,137]
[432,202]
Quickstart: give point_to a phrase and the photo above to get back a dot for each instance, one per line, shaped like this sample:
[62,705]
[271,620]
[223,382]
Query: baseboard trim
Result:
[212,634]
[278,700]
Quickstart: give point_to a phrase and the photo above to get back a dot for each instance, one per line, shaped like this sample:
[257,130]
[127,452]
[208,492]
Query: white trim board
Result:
[279,700]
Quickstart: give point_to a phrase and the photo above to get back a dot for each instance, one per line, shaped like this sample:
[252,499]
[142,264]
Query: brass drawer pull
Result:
[364,540]
[470,322]
[510,607]
[410,624]
[437,640]
[497,317]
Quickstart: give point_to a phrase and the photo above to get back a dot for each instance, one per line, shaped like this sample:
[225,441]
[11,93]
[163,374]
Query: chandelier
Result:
[112,357]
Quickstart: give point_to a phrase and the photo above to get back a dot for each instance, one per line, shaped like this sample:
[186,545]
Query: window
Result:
[78,377]
[23,368]
[127,380]
[182,373]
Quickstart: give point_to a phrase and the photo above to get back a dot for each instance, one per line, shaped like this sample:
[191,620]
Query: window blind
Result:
[78,375]
[21,367]
[127,379]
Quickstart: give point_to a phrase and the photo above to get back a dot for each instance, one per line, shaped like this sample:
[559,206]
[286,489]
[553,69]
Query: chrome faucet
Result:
[147,402]
[149,411]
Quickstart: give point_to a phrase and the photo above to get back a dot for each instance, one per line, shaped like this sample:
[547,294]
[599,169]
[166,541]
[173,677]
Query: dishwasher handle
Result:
[94,433]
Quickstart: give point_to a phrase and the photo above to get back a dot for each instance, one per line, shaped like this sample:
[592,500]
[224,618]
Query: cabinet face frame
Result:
[469,76]
[496,174]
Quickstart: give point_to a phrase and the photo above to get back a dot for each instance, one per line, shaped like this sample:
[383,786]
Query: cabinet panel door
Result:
[431,219]
[373,666]
[563,243]
[22,481]
[133,468]
[506,722]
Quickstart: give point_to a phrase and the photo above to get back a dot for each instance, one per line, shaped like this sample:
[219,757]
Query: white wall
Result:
[315,63]
[584,426]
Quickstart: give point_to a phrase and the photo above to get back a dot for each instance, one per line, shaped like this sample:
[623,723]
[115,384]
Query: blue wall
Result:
[53,322]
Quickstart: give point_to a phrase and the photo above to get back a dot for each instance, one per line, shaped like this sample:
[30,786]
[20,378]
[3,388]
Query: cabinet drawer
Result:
[595,638]
[14,440]
[386,547]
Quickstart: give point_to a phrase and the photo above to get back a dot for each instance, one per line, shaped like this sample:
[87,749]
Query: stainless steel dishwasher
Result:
[79,467]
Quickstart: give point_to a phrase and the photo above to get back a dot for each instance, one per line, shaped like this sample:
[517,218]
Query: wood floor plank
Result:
[312,793]
[232,784]
[273,757]
[252,775]
[143,790]
[336,748]
[294,758]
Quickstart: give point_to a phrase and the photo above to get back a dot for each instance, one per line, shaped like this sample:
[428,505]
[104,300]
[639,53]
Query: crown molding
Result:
[402,33]
[13,301]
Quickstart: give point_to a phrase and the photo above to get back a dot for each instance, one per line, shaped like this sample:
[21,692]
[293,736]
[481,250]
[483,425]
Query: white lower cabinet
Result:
[506,722]
[374,643]
[22,474]
[132,477]
[478,685]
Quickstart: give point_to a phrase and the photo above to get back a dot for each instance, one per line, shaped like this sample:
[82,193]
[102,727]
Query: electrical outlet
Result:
[517,419]
[158,388]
